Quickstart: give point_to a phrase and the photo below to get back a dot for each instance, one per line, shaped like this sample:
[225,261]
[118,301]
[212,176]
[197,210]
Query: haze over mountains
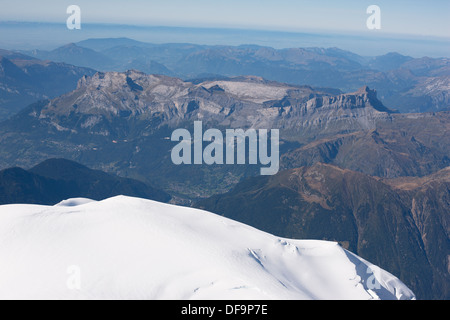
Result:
[24,80]
[403,83]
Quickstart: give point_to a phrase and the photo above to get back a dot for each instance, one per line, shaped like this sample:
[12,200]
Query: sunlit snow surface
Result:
[128,248]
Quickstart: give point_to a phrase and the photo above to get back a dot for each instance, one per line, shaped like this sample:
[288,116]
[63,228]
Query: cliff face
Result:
[243,102]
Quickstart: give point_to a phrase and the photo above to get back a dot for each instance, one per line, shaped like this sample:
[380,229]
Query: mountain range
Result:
[401,145]
[404,83]
[357,166]
[122,123]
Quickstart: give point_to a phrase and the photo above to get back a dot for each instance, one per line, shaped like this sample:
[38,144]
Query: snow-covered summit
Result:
[129,248]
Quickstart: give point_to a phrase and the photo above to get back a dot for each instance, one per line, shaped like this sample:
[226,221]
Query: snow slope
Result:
[128,248]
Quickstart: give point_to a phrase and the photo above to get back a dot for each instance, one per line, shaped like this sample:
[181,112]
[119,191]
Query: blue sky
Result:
[413,17]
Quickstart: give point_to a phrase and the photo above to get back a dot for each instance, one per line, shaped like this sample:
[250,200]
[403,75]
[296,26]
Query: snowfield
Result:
[129,248]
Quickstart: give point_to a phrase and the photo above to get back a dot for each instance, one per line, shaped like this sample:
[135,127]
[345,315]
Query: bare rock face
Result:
[245,102]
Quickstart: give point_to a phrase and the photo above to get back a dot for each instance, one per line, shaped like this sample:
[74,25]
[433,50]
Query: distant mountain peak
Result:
[70,47]
[364,90]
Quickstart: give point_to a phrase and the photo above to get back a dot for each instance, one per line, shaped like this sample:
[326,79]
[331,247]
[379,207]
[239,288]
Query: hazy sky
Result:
[414,17]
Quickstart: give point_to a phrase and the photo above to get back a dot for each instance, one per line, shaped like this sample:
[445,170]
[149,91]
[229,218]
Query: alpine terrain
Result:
[129,248]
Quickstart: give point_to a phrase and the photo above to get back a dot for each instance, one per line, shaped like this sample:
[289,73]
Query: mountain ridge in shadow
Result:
[55,180]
